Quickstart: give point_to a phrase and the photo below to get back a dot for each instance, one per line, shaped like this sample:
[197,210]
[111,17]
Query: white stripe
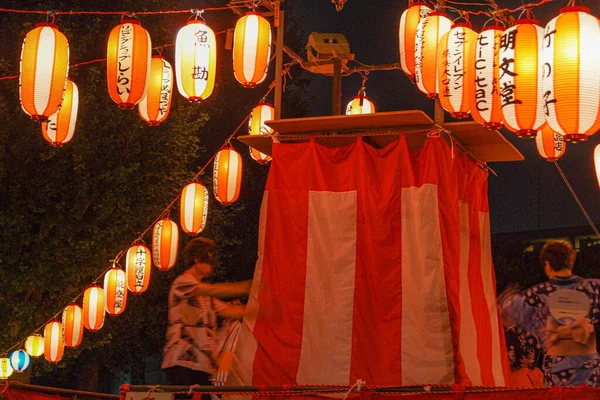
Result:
[202,57]
[250,47]
[509,111]
[589,72]
[43,71]
[326,352]
[55,337]
[426,339]
[487,53]
[77,318]
[457,59]
[190,206]
[235,163]
[548,82]
[266,114]
[419,42]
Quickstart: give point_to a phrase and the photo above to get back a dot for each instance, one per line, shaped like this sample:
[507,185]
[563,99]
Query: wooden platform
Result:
[381,129]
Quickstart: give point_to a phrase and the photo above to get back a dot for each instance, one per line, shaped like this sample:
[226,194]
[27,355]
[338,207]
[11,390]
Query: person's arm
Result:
[232,312]
[517,310]
[223,290]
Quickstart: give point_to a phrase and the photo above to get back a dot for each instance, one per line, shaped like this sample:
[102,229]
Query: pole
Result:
[336,99]
[438,113]
[279,23]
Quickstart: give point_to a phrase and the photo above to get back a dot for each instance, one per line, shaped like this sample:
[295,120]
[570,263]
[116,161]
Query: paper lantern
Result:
[154,108]
[251,49]
[137,268]
[456,70]
[93,308]
[193,208]
[6,369]
[550,145]
[486,107]
[597,162]
[429,33]
[256,126]
[360,105]
[115,292]
[34,345]
[19,360]
[128,57]
[195,61]
[571,76]
[520,76]
[227,175]
[409,22]
[53,342]
[165,243]
[43,71]
[60,126]
[72,322]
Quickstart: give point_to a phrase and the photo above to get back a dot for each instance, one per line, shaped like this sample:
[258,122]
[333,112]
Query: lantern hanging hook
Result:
[127,15]
[51,14]
[197,13]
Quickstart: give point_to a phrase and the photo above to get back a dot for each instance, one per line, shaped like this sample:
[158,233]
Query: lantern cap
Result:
[253,13]
[493,27]
[575,9]
[195,21]
[418,3]
[50,24]
[461,25]
[158,56]
[263,103]
[437,14]
[130,21]
[526,21]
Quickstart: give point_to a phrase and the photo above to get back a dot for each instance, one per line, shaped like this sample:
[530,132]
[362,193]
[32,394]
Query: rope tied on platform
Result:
[358,385]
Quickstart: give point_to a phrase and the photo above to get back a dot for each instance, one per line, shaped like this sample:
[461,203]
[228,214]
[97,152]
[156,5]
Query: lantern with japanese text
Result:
[53,342]
[128,57]
[19,360]
[360,105]
[6,369]
[571,77]
[550,145]
[251,49]
[456,70]
[60,126]
[597,162]
[256,126]
[429,33]
[485,95]
[72,322]
[195,61]
[227,175]
[165,242]
[409,22]
[44,70]
[137,268]
[34,345]
[154,108]
[93,308]
[520,77]
[193,208]
[115,291]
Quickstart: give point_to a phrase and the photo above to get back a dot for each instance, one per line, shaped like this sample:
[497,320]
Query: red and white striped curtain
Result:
[373,264]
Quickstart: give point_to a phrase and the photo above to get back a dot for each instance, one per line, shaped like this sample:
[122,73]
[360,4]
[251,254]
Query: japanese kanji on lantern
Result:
[227,175]
[456,69]
[6,369]
[193,208]
[43,71]
[256,126]
[54,346]
[165,243]
[60,126]
[429,33]
[195,61]
[19,360]
[520,74]
[72,322]
[128,57]
[115,291]
[360,105]
[409,22]
[571,73]
[34,345]
[93,308]
[550,145]
[251,49]
[137,268]
[154,108]
[486,107]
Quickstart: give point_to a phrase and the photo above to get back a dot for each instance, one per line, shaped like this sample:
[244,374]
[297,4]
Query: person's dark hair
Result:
[559,254]
[201,249]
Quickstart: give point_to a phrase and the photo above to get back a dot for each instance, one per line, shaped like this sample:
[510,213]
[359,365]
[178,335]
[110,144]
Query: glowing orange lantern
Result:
[193,208]
[360,105]
[34,345]
[53,342]
[520,76]
[251,49]
[409,23]
[550,145]
[6,369]
[456,70]
[60,126]
[429,33]
[154,108]
[195,61]
[165,242]
[485,93]
[44,71]
[93,308]
[256,126]
[137,268]
[115,292]
[227,175]
[72,322]
[128,63]
[571,77]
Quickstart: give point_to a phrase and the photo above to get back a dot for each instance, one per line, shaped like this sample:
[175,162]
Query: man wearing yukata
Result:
[564,313]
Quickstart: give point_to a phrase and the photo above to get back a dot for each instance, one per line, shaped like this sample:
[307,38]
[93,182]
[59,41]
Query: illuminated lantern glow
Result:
[72,322]
[429,33]
[138,268]
[115,291]
[6,369]
[60,126]
[34,345]
[409,22]
[53,342]
[251,49]
[19,360]
[154,108]
[128,57]
[550,145]
[43,71]
[597,162]
[227,175]
[193,208]
[360,105]
[256,126]
[195,61]
[93,308]
[485,94]
[165,243]
[571,75]
[520,73]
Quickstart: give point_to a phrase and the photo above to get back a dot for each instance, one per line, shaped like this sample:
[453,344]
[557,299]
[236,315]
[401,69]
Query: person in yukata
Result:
[564,314]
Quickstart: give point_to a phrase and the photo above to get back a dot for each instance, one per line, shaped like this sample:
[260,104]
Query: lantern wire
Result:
[186,11]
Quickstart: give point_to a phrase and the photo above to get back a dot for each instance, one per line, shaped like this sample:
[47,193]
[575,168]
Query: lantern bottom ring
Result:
[39,118]
[526,133]
[492,125]
[152,123]
[195,99]
[433,96]
[250,85]
[126,106]
[459,115]
[576,138]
